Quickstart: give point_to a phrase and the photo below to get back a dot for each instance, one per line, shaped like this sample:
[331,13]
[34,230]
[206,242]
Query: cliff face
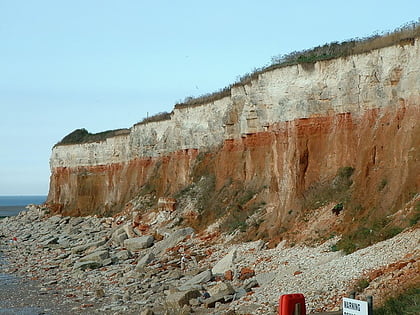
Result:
[285,137]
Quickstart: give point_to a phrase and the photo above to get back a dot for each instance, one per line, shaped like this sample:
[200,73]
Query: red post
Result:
[292,304]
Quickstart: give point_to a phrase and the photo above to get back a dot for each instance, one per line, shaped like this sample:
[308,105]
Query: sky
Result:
[101,65]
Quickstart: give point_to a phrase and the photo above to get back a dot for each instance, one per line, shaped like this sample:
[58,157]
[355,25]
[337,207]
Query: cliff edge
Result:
[339,134]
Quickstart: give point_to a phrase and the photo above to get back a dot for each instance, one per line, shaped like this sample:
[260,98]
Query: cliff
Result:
[343,132]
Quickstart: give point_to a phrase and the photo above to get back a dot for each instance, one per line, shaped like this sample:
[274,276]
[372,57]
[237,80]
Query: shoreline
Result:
[88,265]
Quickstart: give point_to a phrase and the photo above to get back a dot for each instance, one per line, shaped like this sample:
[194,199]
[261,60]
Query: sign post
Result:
[354,307]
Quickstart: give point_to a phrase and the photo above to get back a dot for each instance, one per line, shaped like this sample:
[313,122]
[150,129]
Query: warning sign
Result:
[354,307]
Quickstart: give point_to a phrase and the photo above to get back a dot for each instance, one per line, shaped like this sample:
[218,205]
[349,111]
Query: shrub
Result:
[80,136]
[407,303]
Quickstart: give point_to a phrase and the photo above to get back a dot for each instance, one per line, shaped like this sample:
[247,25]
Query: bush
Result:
[80,136]
[407,303]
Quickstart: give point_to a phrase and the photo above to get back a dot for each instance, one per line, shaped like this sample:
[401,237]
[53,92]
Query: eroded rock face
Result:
[286,130]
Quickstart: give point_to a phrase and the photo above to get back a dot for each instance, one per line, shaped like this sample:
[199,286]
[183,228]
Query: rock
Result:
[128,229]
[98,256]
[81,248]
[179,299]
[239,293]
[138,243]
[49,241]
[123,255]
[225,264]
[99,293]
[249,284]
[147,311]
[172,240]
[202,277]
[119,236]
[83,265]
[246,273]
[221,289]
[146,259]
[229,275]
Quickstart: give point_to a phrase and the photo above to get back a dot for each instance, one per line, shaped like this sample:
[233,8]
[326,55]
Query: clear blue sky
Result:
[101,65]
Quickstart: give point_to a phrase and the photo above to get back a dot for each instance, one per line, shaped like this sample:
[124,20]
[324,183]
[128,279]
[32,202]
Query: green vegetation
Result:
[416,217]
[407,303]
[337,189]
[367,234]
[83,136]
[361,284]
[155,118]
[404,35]
[382,184]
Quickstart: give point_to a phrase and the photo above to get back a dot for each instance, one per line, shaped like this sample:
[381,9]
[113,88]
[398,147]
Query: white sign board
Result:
[354,307]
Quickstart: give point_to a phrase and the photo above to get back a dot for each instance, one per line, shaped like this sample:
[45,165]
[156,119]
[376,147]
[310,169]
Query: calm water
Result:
[12,205]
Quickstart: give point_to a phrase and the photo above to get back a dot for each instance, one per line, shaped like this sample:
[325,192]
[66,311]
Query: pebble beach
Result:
[89,265]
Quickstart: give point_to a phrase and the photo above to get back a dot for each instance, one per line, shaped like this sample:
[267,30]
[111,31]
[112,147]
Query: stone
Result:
[128,229]
[225,264]
[246,273]
[98,256]
[144,261]
[229,275]
[138,243]
[83,265]
[147,311]
[202,277]
[123,255]
[221,289]
[249,284]
[81,248]
[172,240]
[99,293]
[119,236]
[179,299]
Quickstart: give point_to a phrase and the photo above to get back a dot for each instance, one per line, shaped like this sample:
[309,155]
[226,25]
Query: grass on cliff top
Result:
[80,136]
[404,35]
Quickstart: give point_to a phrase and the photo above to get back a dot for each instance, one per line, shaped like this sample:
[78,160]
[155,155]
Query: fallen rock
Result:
[221,289]
[119,236]
[146,259]
[225,264]
[202,277]
[172,240]
[98,256]
[179,299]
[246,273]
[249,284]
[83,265]
[138,243]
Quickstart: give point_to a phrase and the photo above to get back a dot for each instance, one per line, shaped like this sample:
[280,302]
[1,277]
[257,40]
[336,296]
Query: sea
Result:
[12,205]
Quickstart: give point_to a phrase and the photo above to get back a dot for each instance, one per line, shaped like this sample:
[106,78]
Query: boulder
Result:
[128,229]
[246,273]
[179,299]
[202,277]
[98,256]
[225,264]
[249,284]
[221,289]
[138,243]
[119,236]
[83,265]
[143,261]
[123,255]
[172,240]
[81,248]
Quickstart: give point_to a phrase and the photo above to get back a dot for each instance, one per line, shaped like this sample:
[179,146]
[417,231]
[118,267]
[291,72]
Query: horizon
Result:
[105,66]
